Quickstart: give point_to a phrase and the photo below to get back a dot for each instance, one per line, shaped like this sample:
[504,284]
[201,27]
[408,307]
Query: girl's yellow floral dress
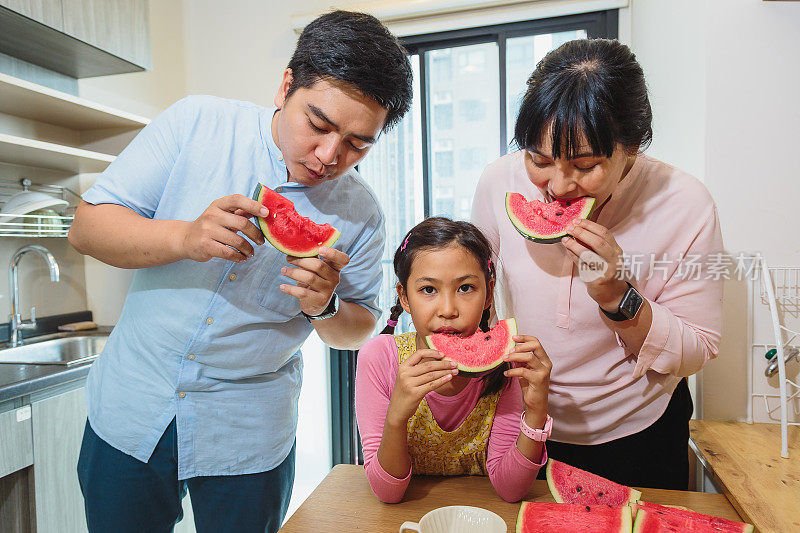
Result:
[435,451]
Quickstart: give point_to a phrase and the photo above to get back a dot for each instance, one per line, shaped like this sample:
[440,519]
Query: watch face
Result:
[630,303]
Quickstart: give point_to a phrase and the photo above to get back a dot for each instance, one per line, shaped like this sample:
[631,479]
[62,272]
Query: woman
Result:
[623,338]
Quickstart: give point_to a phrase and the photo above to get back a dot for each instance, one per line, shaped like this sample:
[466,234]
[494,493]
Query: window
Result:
[472,158]
[472,110]
[443,158]
[443,110]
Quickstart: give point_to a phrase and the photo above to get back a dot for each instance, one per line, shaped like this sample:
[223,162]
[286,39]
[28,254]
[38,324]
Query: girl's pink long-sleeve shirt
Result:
[510,472]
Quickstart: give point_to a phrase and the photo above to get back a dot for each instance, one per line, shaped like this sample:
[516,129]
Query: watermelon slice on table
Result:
[546,222]
[654,518]
[573,485]
[287,230]
[539,517]
[480,352]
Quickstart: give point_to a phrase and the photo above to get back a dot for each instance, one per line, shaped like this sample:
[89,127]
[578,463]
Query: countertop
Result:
[744,461]
[21,379]
[344,501]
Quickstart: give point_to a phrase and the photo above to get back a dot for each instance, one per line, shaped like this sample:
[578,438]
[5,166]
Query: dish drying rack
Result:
[35,225]
[778,288]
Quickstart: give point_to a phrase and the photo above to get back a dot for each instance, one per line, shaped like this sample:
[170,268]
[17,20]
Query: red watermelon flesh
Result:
[287,230]
[538,517]
[480,352]
[546,222]
[573,485]
[654,518]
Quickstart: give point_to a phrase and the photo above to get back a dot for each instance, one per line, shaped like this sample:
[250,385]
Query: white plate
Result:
[24,202]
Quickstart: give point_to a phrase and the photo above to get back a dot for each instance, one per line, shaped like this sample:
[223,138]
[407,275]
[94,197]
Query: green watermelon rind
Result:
[553,238]
[625,525]
[551,483]
[642,512]
[475,371]
[262,224]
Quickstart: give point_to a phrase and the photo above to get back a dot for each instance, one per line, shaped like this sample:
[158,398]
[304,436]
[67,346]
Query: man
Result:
[197,387]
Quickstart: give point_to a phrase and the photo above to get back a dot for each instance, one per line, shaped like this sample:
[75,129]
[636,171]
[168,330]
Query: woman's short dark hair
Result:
[587,87]
[357,49]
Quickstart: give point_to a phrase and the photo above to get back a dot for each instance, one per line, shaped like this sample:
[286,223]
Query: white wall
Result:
[723,81]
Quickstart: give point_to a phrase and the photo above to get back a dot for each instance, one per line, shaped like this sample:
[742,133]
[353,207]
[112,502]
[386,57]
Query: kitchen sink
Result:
[56,349]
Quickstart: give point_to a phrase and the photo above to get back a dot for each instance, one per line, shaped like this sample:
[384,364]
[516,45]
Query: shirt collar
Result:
[275,155]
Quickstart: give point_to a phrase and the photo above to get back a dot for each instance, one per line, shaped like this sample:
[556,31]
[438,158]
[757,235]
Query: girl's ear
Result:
[403,297]
[489,294]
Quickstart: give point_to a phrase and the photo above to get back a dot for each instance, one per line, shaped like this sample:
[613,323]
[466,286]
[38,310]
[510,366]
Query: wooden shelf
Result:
[33,153]
[744,461]
[28,100]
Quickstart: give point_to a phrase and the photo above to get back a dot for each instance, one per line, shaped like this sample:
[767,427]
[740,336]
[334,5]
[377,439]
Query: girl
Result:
[414,412]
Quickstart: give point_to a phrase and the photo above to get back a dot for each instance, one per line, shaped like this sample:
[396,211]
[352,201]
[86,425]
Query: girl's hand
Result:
[423,372]
[531,365]
[599,258]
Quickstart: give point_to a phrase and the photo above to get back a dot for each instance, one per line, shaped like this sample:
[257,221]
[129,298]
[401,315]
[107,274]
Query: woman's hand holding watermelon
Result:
[423,372]
[530,363]
[607,288]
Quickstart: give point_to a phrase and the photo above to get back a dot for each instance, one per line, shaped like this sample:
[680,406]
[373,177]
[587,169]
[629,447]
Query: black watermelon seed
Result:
[588,508]
[578,489]
[600,494]
[487,338]
[559,213]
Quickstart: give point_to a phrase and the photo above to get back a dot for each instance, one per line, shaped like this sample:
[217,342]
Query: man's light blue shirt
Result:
[216,345]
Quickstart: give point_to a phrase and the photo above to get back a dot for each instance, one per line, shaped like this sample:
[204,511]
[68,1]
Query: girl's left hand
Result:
[531,365]
[601,274]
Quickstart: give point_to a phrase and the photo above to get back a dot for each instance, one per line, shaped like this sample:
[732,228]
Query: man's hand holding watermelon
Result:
[316,277]
[217,232]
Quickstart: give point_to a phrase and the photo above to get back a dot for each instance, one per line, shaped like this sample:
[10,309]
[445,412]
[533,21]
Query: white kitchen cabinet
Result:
[121,27]
[48,12]
[16,451]
[58,423]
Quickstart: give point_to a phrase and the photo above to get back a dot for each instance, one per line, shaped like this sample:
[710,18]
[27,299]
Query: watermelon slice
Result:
[287,230]
[541,517]
[654,518]
[480,352]
[573,485]
[546,222]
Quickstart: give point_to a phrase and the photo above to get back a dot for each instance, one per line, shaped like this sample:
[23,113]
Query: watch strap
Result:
[332,309]
[538,435]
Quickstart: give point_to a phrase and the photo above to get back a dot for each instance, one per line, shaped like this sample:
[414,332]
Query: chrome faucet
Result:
[16,324]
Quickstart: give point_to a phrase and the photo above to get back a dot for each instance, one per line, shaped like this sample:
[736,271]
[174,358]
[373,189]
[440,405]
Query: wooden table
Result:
[745,463]
[344,502]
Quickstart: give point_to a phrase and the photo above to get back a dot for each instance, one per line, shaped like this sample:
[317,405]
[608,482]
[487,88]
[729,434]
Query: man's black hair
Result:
[357,49]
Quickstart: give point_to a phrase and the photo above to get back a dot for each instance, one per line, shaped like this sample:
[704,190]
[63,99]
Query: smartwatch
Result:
[332,309]
[628,307]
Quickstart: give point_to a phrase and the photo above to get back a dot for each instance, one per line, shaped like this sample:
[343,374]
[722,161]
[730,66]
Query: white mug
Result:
[457,519]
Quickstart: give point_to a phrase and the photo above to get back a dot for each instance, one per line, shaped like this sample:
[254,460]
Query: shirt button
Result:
[278,189]
[232,277]
[182,395]
[190,356]
[209,321]
[280,157]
